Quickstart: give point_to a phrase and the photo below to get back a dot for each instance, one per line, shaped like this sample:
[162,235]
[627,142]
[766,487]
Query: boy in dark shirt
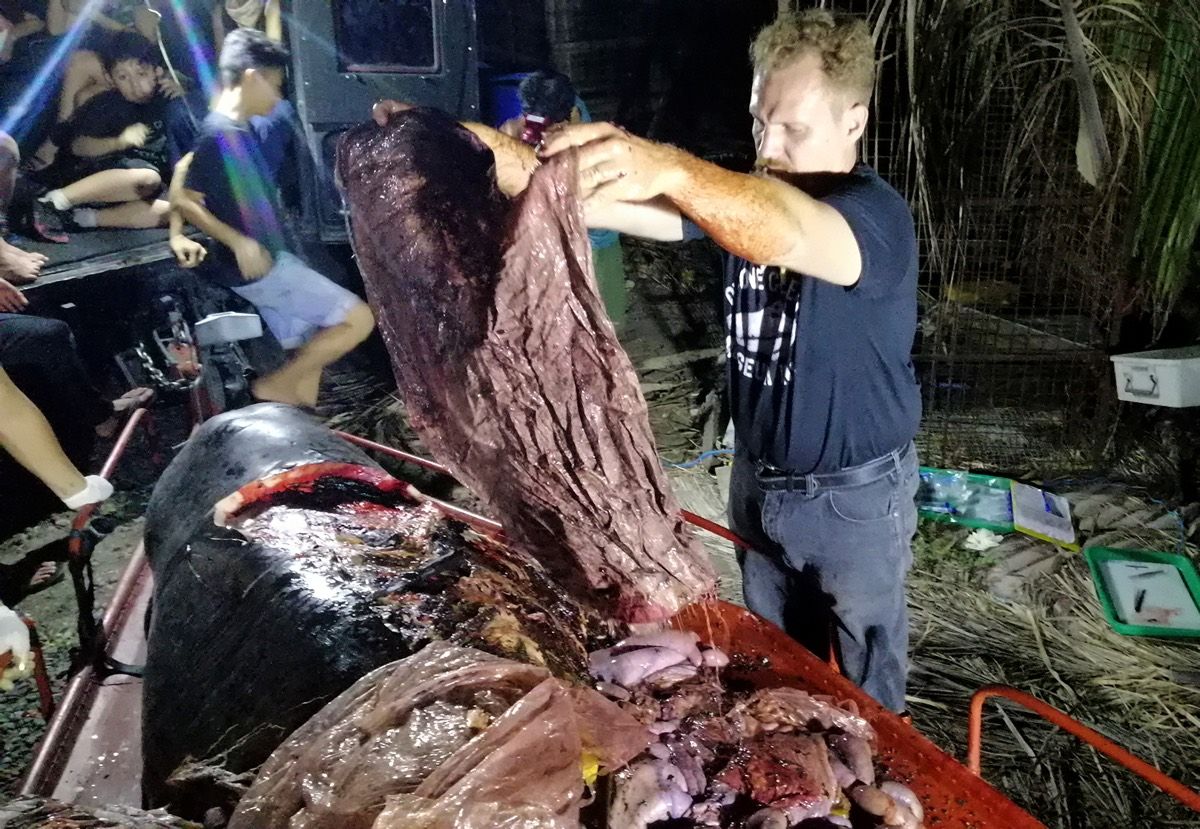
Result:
[117,149]
[227,188]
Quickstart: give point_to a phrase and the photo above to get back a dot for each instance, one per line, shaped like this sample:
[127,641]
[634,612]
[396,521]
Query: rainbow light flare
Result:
[37,88]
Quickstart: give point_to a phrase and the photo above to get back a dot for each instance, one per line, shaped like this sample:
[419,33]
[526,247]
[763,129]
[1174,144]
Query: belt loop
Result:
[810,485]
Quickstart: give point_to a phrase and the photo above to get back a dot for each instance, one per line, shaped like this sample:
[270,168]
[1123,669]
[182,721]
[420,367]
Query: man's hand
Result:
[254,261]
[16,656]
[614,165]
[12,301]
[134,135]
[188,252]
[383,111]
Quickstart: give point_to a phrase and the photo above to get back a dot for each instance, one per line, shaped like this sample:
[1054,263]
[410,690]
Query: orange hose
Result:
[1188,797]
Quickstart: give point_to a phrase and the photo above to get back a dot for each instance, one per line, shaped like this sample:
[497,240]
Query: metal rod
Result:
[691,517]
[1188,797]
[75,545]
[475,520]
[110,463]
[716,529]
[407,457]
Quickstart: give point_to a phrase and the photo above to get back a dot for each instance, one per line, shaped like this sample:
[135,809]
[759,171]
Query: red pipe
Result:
[716,529]
[691,517]
[407,457]
[486,525]
[75,545]
[110,463]
[1188,797]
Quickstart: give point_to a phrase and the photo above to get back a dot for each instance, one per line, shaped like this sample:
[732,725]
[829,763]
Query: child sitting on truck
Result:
[117,149]
[227,188]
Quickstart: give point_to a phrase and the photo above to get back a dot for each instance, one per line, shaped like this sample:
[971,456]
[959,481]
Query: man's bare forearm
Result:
[515,160]
[175,222]
[767,221]
[175,192]
[657,219]
[754,217]
[198,215]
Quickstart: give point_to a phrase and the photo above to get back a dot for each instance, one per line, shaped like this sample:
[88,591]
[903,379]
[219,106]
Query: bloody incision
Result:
[510,369]
[327,569]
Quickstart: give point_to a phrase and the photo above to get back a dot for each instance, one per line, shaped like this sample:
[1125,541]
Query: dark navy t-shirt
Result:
[821,376]
[236,166]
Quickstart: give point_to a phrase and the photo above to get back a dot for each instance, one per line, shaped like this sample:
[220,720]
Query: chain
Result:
[159,379]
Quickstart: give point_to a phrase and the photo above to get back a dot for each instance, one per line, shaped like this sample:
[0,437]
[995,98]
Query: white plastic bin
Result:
[1167,377]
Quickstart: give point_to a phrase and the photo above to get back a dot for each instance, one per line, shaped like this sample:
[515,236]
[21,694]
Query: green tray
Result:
[989,481]
[1098,556]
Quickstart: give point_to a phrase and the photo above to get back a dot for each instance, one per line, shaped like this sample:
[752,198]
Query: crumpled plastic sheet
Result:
[450,737]
[508,365]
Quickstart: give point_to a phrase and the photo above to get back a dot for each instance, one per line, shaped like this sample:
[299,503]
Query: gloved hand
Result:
[14,649]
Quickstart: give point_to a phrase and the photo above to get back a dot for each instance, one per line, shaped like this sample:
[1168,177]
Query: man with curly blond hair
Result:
[821,311]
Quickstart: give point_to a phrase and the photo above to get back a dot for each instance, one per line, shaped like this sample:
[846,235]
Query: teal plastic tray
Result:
[1098,557]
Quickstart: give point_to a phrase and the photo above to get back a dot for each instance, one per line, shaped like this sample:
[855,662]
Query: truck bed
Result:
[97,251]
[92,752]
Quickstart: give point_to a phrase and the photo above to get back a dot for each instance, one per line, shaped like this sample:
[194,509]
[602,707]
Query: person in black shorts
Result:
[117,150]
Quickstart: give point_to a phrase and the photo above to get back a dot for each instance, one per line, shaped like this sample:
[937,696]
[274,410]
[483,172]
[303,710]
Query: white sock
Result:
[86,216]
[58,199]
[96,490]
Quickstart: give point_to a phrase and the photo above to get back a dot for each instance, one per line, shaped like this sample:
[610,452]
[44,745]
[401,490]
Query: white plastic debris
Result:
[982,540]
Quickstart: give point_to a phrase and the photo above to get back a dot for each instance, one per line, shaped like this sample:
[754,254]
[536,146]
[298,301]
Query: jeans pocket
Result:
[874,501]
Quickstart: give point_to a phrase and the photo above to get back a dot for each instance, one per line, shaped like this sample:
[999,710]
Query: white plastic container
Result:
[1167,377]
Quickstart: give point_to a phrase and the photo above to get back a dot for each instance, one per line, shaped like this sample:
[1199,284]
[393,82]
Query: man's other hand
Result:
[614,165]
[188,252]
[254,261]
[383,111]
[135,135]
[12,301]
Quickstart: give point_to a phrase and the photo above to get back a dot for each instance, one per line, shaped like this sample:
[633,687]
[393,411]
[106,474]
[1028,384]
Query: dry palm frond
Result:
[987,80]
[1060,649]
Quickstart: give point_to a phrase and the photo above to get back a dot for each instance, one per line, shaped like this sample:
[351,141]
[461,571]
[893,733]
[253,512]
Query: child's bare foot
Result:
[280,388]
[18,266]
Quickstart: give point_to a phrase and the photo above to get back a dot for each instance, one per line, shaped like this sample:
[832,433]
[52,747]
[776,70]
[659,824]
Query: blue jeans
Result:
[834,559]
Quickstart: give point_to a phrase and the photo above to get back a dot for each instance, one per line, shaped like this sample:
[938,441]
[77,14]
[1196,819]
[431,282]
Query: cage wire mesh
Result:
[1020,258]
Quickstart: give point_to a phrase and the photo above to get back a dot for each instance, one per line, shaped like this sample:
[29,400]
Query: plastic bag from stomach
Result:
[449,737]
